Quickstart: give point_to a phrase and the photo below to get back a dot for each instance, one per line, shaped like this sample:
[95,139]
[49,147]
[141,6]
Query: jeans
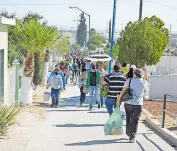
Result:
[55,96]
[133,113]
[110,103]
[82,95]
[101,98]
[94,90]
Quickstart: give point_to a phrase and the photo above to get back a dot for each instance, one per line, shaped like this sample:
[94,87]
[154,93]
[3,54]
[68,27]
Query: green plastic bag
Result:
[114,125]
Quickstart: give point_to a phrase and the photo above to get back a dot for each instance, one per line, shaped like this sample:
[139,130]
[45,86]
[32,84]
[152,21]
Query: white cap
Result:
[133,67]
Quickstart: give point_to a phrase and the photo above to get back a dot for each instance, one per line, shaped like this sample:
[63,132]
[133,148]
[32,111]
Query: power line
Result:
[167,6]
[31,4]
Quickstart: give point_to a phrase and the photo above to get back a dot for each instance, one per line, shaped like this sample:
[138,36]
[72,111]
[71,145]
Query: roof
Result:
[7,21]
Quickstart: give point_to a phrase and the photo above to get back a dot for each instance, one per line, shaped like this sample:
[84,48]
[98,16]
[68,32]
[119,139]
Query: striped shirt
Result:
[116,82]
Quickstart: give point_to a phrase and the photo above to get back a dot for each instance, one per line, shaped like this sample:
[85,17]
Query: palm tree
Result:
[33,37]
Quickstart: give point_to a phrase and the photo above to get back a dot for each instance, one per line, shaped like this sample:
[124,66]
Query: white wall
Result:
[11,86]
[167,65]
[4,45]
[160,85]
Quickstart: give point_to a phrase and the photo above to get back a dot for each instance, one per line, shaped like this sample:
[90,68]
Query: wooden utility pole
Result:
[141,10]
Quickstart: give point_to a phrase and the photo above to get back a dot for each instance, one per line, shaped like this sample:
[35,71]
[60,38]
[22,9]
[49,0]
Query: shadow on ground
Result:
[79,125]
[99,142]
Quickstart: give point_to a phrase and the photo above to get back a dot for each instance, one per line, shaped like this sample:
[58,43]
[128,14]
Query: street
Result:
[74,128]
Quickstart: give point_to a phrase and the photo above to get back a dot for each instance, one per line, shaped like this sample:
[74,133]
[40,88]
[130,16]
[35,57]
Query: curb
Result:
[163,132]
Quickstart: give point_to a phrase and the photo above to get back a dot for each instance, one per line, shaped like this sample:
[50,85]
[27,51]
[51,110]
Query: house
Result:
[4,23]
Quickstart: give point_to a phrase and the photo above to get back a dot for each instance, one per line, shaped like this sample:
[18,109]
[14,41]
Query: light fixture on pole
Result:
[89,23]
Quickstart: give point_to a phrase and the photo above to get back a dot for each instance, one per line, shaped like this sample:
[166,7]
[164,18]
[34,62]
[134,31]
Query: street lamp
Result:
[89,23]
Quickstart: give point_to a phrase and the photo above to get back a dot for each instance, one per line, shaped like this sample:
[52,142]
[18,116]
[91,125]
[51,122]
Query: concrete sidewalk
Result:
[72,128]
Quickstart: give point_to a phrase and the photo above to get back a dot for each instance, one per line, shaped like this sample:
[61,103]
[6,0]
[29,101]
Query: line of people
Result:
[117,82]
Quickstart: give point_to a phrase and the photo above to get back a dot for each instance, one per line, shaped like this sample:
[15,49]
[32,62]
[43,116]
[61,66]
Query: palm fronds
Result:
[7,118]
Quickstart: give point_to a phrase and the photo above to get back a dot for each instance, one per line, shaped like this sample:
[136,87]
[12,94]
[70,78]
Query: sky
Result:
[57,12]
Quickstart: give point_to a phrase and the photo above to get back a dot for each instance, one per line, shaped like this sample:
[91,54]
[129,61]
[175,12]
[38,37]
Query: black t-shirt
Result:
[83,66]
[92,78]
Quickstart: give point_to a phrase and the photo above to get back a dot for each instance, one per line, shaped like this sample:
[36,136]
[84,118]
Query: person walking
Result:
[124,68]
[134,106]
[93,82]
[131,72]
[83,65]
[102,75]
[88,66]
[56,84]
[82,82]
[115,82]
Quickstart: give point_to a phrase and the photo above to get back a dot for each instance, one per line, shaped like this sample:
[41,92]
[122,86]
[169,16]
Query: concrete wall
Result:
[167,65]
[160,85]
[4,45]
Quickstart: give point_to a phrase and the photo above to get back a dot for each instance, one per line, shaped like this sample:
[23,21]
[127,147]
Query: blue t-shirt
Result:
[138,86]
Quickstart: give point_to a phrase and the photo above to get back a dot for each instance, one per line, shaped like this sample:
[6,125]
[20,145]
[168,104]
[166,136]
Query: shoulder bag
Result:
[128,95]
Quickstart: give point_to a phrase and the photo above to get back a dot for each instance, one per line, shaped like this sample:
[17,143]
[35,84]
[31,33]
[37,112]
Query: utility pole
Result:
[110,31]
[170,53]
[141,10]
[113,34]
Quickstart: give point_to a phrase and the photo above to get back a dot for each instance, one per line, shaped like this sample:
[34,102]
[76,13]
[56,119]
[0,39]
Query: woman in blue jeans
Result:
[56,84]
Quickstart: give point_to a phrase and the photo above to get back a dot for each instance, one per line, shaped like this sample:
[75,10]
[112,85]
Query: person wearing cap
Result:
[131,72]
[134,106]
[93,82]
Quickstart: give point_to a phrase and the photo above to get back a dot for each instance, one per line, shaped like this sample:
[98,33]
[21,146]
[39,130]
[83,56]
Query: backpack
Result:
[74,66]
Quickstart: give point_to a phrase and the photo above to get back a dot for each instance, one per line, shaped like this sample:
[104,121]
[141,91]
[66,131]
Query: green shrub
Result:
[7,118]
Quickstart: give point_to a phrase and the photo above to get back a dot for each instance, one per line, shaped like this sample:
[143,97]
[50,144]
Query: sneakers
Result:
[90,107]
[132,138]
[99,106]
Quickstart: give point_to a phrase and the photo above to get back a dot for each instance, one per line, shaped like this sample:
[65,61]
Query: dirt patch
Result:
[156,109]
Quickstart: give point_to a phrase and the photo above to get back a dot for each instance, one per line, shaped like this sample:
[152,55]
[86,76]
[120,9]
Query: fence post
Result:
[164,110]
[16,64]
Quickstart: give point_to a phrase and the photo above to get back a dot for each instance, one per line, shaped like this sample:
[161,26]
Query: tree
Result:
[143,42]
[33,37]
[38,57]
[82,31]
[76,46]
[93,47]
[96,39]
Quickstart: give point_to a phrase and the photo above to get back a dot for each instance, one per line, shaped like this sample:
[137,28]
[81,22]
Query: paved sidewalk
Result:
[71,128]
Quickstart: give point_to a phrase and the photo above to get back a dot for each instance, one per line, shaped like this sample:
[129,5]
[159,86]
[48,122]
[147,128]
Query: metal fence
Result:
[165,109]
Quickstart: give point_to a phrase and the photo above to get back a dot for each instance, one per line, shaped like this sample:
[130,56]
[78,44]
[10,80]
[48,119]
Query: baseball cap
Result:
[133,67]
[139,72]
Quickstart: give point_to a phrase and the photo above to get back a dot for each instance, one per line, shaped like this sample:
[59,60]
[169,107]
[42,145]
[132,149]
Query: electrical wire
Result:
[158,3]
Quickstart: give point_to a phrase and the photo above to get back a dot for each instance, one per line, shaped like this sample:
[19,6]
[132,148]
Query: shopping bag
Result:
[114,125]
[46,96]
[85,90]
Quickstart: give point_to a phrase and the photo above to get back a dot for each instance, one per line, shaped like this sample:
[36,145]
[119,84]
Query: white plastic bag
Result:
[46,96]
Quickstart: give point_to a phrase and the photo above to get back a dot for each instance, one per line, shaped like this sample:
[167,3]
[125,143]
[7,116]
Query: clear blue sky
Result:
[100,11]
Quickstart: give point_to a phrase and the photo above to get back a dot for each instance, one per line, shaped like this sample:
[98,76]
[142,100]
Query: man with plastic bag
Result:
[115,82]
